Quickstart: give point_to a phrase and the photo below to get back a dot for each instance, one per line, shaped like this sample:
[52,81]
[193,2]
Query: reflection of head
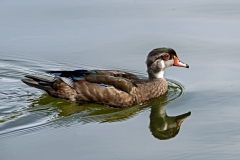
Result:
[163,134]
[164,127]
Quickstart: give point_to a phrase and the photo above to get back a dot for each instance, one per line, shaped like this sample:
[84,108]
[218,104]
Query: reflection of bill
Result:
[163,126]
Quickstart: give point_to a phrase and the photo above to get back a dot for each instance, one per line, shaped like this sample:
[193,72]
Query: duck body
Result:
[109,87]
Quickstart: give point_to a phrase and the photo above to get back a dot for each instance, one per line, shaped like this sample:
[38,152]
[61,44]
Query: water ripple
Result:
[25,109]
[47,111]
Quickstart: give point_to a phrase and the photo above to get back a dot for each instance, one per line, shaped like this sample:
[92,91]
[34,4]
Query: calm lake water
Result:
[36,36]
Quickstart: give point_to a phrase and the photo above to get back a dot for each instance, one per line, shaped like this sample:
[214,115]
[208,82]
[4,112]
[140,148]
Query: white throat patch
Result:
[160,74]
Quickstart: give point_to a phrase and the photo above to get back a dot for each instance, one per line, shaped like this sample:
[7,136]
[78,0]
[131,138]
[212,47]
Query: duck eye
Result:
[170,132]
[166,56]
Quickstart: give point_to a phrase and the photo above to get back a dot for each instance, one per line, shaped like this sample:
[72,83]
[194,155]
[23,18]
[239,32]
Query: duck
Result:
[114,88]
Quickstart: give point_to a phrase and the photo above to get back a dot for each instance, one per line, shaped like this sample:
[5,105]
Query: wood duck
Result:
[109,87]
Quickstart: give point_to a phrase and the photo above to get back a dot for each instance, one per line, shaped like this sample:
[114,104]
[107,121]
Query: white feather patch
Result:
[159,74]
[68,81]
[163,64]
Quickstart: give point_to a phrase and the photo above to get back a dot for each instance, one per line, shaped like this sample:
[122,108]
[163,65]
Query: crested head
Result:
[159,59]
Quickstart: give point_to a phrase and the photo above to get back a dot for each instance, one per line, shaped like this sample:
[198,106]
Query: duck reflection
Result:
[163,126]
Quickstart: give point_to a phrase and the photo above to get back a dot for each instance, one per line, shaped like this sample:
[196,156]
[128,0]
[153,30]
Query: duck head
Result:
[161,58]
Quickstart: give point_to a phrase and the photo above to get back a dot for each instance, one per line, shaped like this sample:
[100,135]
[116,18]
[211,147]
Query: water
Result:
[53,35]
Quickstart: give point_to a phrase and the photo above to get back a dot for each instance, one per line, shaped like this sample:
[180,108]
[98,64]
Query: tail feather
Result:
[74,75]
[43,82]
[44,78]
[69,73]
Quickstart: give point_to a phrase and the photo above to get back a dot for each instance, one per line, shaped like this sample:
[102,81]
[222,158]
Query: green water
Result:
[53,35]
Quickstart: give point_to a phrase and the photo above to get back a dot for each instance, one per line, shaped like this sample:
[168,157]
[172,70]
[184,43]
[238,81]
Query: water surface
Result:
[53,35]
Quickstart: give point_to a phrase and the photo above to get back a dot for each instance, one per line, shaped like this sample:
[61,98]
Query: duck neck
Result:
[156,75]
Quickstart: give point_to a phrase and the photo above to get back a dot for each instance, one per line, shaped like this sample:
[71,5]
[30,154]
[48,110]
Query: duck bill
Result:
[178,63]
[181,118]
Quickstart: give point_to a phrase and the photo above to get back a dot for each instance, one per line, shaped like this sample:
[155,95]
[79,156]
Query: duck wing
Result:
[117,73]
[120,80]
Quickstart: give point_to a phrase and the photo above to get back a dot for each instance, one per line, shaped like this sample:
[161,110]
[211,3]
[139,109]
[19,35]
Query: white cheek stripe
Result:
[163,64]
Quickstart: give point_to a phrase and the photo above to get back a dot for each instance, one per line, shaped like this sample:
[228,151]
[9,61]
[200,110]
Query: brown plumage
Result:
[110,87]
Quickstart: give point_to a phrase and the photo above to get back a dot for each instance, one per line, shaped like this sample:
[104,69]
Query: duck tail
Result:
[43,82]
